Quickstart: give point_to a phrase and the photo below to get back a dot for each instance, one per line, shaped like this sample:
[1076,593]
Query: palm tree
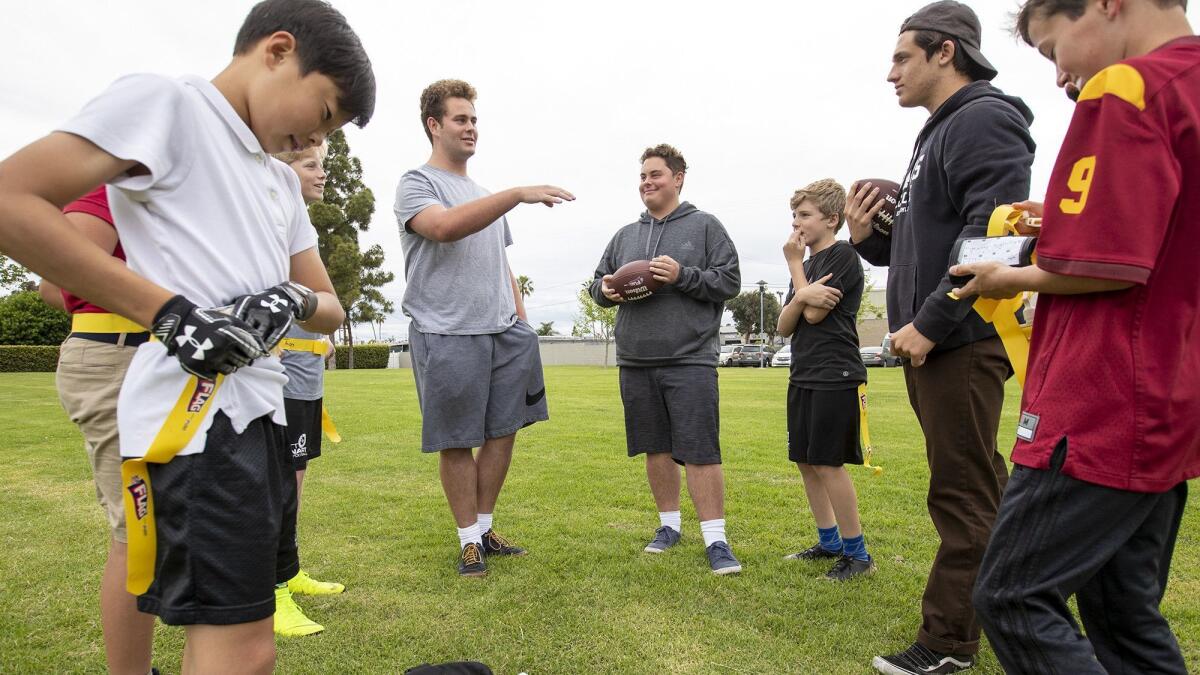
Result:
[524,286]
[547,328]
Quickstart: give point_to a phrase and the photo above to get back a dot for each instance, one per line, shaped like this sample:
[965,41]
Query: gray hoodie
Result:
[679,324]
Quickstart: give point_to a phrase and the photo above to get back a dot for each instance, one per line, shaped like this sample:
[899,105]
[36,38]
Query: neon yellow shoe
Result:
[302,584]
[289,618]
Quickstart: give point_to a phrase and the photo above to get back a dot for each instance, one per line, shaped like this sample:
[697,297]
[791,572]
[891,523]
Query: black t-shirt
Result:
[825,355]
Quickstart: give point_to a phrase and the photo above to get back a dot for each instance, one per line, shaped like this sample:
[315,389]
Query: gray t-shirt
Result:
[454,288]
[305,370]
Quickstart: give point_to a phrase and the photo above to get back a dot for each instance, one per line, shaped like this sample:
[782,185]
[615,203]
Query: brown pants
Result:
[957,396]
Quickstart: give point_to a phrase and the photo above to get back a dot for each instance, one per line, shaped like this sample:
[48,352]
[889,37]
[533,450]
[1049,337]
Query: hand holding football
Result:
[875,198]
[634,281]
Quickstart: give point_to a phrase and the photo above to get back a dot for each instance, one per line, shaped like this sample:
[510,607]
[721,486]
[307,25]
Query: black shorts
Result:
[672,409]
[303,430]
[823,426]
[221,517]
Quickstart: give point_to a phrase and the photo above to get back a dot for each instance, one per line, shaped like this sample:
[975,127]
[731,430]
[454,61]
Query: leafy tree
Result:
[868,309]
[547,328]
[345,211]
[372,307]
[13,277]
[594,320]
[524,286]
[745,310]
[26,320]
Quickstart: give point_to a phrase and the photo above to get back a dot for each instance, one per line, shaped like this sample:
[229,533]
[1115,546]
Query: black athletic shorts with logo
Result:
[303,430]
[222,527]
[672,409]
[823,426]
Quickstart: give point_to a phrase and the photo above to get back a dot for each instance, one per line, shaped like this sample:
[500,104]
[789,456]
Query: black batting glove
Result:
[206,341]
[271,312]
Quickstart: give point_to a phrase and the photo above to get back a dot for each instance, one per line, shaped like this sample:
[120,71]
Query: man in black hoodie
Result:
[973,154]
[667,348]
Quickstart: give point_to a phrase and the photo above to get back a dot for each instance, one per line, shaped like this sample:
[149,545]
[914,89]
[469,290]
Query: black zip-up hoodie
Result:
[679,324]
[973,154]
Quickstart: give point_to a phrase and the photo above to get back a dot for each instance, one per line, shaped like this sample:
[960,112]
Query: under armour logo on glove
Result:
[218,343]
[198,348]
[274,303]
[264,311]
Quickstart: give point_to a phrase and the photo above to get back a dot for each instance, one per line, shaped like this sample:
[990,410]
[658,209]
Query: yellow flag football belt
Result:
[1002,314]
[319,347]
[103,323]
[865,431]
[177,431]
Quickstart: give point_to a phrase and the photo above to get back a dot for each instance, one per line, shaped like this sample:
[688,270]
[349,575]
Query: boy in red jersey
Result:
[1108,434]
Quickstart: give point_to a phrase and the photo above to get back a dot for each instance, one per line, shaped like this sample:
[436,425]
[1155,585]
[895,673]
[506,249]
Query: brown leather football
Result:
[889,192]
[633,281]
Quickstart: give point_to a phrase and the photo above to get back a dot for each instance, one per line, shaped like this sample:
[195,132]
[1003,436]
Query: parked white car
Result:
[783,357]
[725,355]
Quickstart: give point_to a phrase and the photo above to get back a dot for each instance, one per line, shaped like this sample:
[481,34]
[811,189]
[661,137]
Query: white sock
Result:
[713,531]
[485,522]
[670,519]
[469,534]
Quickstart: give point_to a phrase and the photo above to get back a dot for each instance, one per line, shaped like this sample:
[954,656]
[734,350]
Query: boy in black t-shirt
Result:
[822,405]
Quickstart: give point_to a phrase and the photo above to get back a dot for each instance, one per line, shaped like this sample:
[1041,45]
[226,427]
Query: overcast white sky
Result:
[761,98]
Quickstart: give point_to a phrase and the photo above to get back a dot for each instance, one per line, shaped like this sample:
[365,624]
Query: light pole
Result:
[762,330]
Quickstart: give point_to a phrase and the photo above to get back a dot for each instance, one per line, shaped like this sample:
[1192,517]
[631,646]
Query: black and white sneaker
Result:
[814,552]
[846,568]
[920,660]
[664,538]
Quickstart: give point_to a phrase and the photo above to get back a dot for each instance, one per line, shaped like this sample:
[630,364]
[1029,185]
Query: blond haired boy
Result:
[820,316]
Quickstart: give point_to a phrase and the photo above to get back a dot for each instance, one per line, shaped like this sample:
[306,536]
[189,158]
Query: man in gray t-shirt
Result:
[475,358]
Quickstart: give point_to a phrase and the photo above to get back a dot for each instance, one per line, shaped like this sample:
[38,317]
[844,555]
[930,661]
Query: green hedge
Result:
[365,356]
[26,320]
[28,358]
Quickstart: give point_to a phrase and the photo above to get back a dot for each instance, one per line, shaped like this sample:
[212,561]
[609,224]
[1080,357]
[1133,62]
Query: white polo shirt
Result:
[215,218]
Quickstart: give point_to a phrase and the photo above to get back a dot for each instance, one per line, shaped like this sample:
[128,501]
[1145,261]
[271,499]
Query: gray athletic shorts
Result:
[475,387]
[673,409]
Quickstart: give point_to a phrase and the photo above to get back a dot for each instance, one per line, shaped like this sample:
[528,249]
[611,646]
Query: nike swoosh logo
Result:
[531,399]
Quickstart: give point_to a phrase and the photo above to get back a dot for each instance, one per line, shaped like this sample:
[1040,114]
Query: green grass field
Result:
[584,601]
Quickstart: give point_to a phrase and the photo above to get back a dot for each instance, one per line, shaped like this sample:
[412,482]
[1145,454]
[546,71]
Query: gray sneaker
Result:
[664,538]
[721,559]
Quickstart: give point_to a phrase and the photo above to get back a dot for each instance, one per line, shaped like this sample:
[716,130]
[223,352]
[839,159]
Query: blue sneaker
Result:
[721,559]
[664,538]
[470,561]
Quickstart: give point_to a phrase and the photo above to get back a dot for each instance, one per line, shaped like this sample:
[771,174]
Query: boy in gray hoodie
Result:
[667,348]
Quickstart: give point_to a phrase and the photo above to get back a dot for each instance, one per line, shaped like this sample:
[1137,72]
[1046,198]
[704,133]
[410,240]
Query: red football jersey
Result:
[94,203]
[1118,374]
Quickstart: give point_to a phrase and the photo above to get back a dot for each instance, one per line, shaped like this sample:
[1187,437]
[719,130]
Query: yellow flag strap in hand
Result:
[1002,314]
[176,432]
[318,347]
[865,431]
[331,431]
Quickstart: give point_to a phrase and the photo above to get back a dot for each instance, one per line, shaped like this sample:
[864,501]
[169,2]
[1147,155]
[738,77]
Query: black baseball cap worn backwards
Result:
[958,21]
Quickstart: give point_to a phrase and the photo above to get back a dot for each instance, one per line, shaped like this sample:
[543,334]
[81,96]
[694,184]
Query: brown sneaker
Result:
[495,544]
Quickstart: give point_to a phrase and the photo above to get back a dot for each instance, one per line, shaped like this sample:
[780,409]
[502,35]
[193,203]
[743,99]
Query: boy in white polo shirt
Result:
[208,219]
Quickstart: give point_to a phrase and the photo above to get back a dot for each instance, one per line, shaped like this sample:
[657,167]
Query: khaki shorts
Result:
[89,379]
